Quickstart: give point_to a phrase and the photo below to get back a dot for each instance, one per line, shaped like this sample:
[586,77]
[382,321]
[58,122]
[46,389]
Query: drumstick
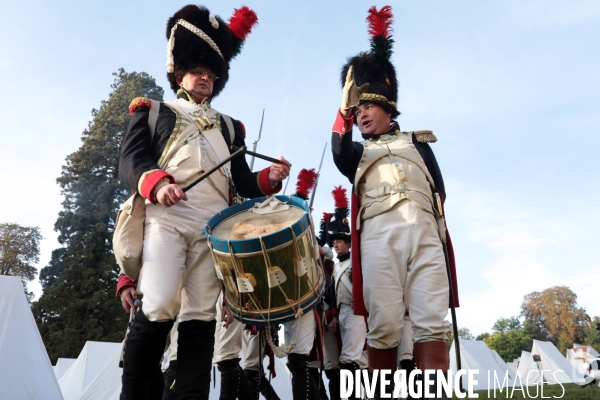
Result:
[213,169]
[266,158]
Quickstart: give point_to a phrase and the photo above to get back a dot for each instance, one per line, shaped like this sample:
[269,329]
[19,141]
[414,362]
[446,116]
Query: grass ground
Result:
[572,391]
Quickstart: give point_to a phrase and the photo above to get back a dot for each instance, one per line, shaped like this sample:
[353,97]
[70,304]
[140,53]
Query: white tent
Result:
[580,357]
[108,380]
[475,355]
[589,349]
[25,369]
[91,361]
[528,372]
[62,366]
[555,367]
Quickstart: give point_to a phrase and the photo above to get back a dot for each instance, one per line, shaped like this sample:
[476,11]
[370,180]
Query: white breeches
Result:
[251,348]
[405,351]
[353,331]
[228,341]
[178,275]
[305,337]
[403,266]
[331,350]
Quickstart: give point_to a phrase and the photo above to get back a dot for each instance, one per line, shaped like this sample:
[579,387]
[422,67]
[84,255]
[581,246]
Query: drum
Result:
[266,253]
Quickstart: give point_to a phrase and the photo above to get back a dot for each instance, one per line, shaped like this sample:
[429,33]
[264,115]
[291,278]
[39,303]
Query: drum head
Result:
[248,225]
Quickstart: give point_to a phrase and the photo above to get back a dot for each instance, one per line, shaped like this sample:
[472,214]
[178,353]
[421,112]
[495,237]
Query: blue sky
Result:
[510,88]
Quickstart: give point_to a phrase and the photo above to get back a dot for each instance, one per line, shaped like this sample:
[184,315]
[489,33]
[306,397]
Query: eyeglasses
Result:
[201,72]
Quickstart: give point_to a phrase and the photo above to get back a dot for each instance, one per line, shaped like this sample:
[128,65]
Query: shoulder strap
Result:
[153,116]
[229,124]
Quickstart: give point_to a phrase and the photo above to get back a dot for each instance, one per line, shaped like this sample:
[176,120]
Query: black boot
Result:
[195,346]
[264,387]
[234,383]
[334,383]
[169,392]
[303,386]
[144,346]
[352,367]
[318,380]
[408,366]
[252,376]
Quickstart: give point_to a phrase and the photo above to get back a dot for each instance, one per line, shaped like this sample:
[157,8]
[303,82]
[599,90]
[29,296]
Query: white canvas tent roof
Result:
[91,361]
[475,355]
[555,367]
[62,365]
[25,368]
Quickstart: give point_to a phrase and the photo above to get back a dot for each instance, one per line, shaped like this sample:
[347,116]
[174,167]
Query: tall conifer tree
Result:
[78,302]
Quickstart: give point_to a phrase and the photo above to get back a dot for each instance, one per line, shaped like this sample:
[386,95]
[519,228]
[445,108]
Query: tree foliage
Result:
[509,338]
[556,315]
[78,302]
[19,252]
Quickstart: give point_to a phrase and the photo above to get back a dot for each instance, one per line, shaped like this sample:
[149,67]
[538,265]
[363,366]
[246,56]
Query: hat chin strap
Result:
[194,29]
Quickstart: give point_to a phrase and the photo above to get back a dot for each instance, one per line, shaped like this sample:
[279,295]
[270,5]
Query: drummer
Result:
[178,273]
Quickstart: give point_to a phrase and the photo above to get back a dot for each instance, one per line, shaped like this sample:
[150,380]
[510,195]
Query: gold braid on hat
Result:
[377,97]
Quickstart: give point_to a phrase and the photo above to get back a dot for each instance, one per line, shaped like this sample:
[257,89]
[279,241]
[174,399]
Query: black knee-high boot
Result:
[169,391]
[316,375]
[303,386]
[264,387]
[195,346]
[352,367]
[334,383]
[234,383]
[144,347]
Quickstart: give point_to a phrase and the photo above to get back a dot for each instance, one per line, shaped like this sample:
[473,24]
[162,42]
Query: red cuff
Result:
[124,282]
[332,313]
[150,182]
[264,185]
[343,125]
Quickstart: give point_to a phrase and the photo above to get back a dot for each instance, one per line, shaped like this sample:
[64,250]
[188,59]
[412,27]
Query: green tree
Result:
[556,315]
[19,252]
[78,302]
[482,336]
[591,335]
[508,338]
[463,333]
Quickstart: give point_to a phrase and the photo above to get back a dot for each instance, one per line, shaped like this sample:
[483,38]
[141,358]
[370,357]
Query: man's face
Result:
[341,247]
[198,82]
[372,119]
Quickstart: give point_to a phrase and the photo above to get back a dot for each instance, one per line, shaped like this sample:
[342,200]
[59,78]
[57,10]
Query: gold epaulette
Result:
[425,136]
[139,102]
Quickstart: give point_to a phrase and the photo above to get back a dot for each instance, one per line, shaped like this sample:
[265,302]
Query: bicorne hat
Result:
[375,66]
[197,37]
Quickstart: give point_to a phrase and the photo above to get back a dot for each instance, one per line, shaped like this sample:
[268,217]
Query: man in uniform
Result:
[398,258]
[166,147]
[352,327]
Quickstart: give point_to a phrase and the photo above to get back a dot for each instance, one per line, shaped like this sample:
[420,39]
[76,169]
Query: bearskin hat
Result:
[337,225]
[375,66]
[197,37]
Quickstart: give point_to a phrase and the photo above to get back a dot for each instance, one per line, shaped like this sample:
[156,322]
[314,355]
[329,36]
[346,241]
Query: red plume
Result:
[380,21]
[306,181]
[242,21]
[326,216]
[339,197]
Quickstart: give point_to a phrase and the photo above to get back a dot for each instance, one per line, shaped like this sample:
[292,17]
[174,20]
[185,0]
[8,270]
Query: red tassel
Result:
[380,21]
[306,181]
[242,21]
[339,197]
